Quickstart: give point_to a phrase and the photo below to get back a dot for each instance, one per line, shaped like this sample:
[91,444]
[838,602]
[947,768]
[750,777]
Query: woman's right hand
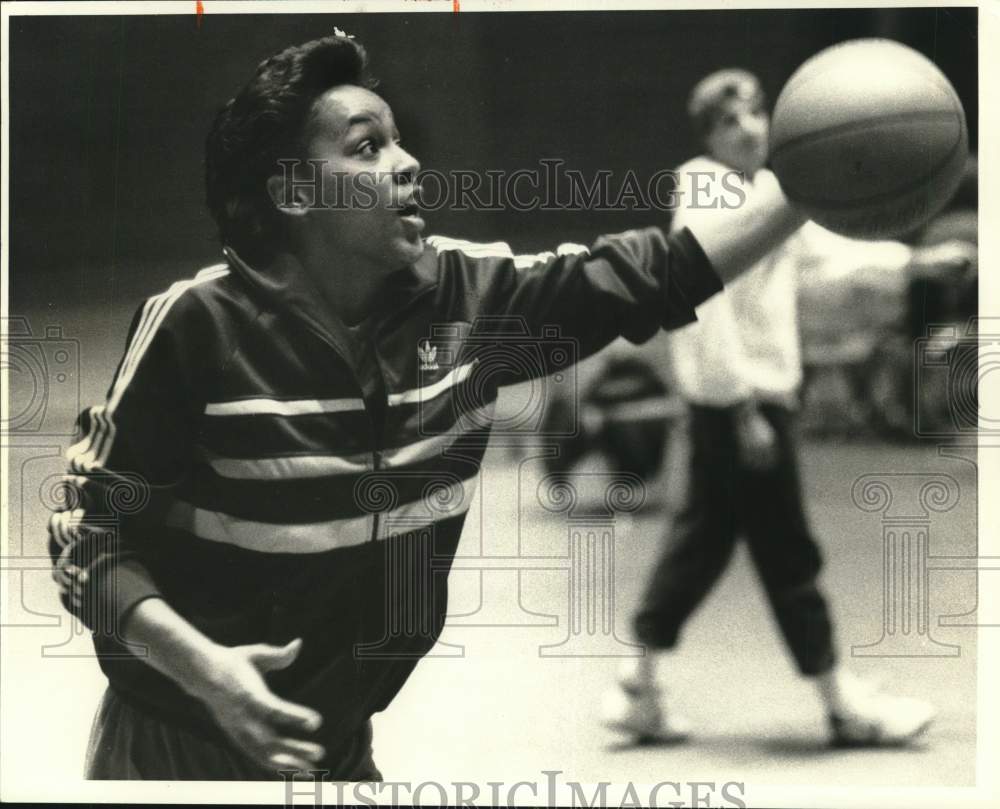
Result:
[260,723]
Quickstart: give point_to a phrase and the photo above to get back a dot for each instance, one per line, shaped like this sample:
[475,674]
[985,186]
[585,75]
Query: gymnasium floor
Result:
[512,713]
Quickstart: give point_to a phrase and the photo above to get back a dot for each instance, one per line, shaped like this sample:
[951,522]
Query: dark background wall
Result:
[109,115]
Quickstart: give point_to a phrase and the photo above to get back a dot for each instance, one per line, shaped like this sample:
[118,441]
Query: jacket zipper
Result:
[363,667]
[361,664]
[377,458]
[376,453]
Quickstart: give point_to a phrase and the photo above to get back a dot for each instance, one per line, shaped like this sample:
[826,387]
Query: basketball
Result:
[869,139]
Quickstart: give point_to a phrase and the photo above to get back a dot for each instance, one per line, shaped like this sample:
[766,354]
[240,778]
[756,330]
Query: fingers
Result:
[273,658]
[958,251]
[768,453]
[272,751]
[283,761]
[757,443]
[267,706]
[290,754]
[308,750]
[948,259]
[262,724]
[282,713]
[760,452]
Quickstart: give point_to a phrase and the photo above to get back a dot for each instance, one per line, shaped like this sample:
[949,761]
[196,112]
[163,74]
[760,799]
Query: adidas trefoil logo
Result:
[427,354]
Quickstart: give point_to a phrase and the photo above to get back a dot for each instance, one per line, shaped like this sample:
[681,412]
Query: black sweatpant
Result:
[126,743]
[724,500]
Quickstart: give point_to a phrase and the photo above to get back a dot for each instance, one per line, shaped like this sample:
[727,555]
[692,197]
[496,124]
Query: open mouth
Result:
[412,221]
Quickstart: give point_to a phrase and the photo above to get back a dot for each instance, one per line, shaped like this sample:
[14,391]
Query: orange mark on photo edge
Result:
[199,9]
[454,6]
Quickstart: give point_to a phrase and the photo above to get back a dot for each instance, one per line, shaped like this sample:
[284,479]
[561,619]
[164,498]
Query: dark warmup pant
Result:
[129,744]
[724,500]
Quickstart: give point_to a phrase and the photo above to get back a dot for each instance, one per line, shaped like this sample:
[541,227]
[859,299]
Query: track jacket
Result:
[274,474]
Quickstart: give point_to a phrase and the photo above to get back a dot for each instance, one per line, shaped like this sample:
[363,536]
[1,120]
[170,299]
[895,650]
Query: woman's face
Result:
[361,181]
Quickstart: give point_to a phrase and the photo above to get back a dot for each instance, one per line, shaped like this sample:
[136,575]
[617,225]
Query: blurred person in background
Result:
[739,371]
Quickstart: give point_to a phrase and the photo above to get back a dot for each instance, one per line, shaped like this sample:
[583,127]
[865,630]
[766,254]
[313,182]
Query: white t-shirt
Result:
[746,340]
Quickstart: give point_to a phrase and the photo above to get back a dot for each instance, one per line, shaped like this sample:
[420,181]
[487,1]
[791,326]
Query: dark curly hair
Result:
[264,123]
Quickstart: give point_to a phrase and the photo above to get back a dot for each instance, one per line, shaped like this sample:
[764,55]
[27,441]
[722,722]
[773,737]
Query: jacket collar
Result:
[286,284]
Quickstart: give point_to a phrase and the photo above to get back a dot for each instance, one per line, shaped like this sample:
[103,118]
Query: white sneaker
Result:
[638,713]
[873,719]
